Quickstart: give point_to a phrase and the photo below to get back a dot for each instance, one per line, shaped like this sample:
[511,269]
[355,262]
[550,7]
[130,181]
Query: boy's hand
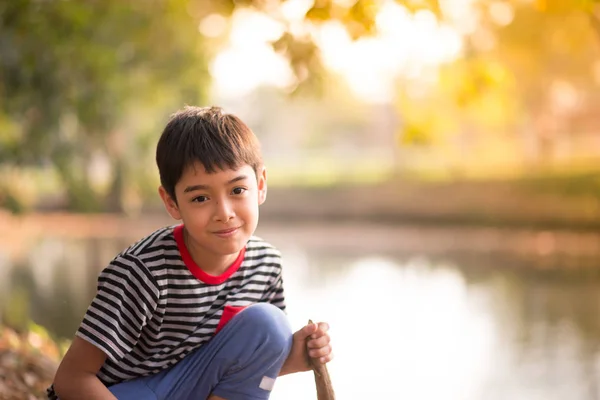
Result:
[312,341]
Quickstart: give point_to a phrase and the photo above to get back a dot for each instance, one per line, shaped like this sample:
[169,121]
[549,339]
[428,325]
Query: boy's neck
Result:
[212,264]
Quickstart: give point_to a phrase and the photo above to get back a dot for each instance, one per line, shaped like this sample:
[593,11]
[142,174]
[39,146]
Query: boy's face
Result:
[219,210]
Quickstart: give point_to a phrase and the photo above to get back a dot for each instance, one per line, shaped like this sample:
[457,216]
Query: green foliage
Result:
[73,71]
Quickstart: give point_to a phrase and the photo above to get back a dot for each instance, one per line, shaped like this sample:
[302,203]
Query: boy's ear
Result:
[262,185]
[170,204]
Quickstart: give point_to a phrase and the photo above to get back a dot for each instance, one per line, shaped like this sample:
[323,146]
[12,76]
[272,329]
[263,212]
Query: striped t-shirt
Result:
[154,305]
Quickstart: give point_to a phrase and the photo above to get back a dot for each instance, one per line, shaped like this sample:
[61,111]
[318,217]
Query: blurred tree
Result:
[75,75]
[550,50]
[527,69]
[71,72]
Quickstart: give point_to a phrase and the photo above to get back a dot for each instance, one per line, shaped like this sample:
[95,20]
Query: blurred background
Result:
[433,168]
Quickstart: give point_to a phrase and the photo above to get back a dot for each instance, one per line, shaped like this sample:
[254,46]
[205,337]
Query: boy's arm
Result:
[275,292]
[126,298]
[77,373]
[275,295]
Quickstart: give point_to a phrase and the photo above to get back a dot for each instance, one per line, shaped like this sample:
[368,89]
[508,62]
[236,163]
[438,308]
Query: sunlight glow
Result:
[295,10]
[213,25]
[250,27]
[249,60]
[407,46]
[502,13]
[461,14]
[239,70]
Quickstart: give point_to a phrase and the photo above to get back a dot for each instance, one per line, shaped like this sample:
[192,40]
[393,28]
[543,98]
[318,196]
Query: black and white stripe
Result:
[150,311]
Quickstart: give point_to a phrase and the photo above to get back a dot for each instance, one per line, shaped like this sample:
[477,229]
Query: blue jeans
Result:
[240,362]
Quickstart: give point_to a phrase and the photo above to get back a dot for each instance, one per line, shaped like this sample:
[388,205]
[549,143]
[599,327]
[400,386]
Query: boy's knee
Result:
[270,324]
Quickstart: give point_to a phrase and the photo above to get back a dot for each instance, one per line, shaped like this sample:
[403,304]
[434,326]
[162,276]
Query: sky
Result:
[407,46]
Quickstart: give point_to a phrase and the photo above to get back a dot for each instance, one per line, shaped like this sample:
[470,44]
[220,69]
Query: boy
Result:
[193,311]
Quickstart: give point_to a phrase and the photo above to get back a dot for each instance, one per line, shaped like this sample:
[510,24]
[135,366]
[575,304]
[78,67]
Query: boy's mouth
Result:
[226,232]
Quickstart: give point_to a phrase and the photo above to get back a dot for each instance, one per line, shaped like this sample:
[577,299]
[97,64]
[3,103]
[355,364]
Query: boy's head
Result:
[212,179]
[208,136]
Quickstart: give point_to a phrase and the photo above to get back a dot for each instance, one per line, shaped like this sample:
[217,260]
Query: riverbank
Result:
[547,216]
[544,203]
[550,249]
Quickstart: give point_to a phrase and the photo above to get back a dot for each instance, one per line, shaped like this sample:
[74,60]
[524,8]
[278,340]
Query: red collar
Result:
[196,270]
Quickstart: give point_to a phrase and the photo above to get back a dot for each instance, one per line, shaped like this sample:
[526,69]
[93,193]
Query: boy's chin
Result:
[231,246]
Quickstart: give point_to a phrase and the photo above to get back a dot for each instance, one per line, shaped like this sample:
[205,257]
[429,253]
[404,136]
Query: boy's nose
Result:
[224,211]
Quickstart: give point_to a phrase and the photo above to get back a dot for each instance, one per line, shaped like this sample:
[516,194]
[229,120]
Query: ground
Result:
[27,364]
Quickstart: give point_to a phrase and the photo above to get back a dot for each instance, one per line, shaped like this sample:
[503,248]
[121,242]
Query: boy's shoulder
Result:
[160,240]
[258,245]
[260,253]
[136,267]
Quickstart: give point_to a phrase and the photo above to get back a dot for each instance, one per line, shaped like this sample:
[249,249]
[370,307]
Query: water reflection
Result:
[405,326]
[401,331]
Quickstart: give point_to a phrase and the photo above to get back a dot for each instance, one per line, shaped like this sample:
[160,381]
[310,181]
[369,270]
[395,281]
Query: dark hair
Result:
[207,135]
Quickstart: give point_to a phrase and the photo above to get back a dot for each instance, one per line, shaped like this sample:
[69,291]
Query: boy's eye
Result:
[238,190]
[200,199]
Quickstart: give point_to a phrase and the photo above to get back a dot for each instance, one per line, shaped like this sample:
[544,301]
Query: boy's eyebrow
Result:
[206,187]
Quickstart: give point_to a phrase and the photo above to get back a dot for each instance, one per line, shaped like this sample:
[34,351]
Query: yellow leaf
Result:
[541,5]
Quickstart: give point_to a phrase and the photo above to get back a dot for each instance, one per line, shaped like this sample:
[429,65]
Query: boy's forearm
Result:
[86,386]
[286,368]
[285,371]
[291,366]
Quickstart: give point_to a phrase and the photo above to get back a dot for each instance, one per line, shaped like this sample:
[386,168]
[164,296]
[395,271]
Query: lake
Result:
[415,312]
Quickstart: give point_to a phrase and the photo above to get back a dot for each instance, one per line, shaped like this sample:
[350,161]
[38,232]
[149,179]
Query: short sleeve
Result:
[125,301]
[275,293]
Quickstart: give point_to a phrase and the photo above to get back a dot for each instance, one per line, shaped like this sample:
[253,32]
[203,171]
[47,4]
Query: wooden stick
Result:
[322,379]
